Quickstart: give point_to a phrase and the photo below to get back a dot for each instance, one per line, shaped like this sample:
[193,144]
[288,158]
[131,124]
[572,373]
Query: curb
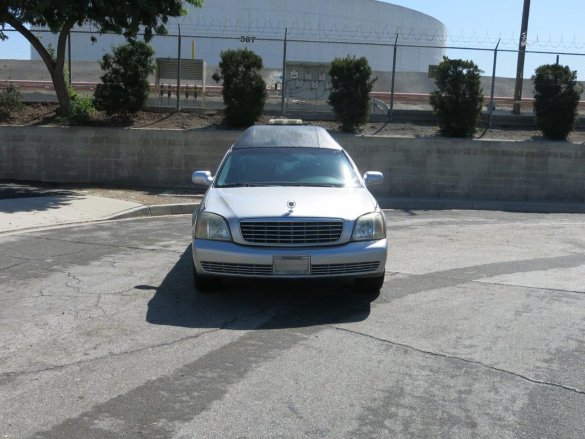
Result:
[136,212]
[155,210]
[494,205]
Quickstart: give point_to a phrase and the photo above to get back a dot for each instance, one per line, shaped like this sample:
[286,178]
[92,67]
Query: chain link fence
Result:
[295,70]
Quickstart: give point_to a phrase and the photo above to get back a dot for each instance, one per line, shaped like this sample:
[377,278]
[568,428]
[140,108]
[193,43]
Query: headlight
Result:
[212,226]
[368,227]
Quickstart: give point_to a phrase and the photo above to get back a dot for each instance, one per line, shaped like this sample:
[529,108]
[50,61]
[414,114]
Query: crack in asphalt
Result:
[465,360]
[44,295]
[24,261]
[98,305]
[226,325]
[100,244]
[486,282]
[556,290]
[103,357]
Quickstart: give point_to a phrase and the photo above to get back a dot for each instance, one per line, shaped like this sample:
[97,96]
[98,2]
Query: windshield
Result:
[287,167]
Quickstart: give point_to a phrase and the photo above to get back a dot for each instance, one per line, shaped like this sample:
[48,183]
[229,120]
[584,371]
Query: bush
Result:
[351,85]
[244,90]
[81,110]
[10,101]
[458,99]
[124,88]
[556,96]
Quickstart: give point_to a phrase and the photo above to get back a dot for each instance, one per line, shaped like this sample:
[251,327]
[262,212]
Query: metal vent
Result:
[266,270]
[291,232]
[331,269]
[244,269]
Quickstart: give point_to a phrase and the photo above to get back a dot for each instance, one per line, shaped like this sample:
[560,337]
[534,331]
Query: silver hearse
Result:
[288,202]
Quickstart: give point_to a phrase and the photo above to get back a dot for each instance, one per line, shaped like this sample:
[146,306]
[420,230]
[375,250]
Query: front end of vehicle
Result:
[228,243]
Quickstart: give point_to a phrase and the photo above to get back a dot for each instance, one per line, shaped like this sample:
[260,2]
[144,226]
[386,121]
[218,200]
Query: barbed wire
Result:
[360,33]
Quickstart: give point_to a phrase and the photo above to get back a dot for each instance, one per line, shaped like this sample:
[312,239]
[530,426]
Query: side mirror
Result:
[373,177]
[202,177]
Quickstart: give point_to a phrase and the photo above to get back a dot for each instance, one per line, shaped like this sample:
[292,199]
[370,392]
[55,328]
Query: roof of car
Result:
[288,136]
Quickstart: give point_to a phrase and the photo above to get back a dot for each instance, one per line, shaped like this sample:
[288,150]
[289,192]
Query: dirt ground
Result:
[44,114]
[141,195]
[147,197]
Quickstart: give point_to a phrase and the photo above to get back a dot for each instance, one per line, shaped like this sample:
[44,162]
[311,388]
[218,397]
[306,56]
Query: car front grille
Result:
[266,270]
[291,232]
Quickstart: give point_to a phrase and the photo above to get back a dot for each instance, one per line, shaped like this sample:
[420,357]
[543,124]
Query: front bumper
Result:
[226,259]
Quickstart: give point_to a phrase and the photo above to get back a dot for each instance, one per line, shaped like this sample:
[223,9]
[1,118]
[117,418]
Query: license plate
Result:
[291,265]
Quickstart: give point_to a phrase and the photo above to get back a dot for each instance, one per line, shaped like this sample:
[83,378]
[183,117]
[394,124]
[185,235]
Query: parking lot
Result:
[479,331]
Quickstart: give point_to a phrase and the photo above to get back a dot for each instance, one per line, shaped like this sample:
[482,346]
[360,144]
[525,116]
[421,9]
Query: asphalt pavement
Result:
[478,332]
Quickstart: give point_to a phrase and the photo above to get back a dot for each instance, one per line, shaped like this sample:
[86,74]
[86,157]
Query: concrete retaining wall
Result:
[413,167]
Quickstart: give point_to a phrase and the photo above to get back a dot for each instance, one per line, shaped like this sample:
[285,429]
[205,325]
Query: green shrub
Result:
[10,101]
[244,90]
[556,96]
[351,85]
[81,110]
[458,99]
[125,88]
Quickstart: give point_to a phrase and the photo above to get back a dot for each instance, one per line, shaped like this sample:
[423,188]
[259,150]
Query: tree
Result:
[351,85]
[458,99]
[126,17]
[244,89]
[556,97]
[124,88]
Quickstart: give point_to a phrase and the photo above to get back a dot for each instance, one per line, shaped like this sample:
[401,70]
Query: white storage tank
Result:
[352,27]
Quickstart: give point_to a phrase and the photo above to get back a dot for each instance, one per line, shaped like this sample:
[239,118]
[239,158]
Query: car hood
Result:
[313,202]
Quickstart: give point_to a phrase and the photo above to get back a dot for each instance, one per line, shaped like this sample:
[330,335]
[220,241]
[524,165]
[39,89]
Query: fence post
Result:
[493,86]
[391,109]
[179,71]
[521,55]
[283,74]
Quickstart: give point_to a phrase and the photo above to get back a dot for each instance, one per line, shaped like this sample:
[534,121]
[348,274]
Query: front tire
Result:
[369,284]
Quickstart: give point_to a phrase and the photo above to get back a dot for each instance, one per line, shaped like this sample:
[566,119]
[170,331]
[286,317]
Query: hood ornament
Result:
[291,205]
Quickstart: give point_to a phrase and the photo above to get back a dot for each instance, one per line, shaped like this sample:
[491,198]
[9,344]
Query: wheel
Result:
[205,284]
[369,284]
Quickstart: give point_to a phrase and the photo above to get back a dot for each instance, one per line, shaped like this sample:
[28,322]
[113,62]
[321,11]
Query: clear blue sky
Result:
[556,25]
[550,23]
[553,26]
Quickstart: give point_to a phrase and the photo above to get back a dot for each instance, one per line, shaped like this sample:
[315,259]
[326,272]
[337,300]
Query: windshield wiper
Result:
[244,185]
[235,185]
[277,183]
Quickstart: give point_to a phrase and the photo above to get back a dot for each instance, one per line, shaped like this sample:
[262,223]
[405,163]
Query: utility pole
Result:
[521,55]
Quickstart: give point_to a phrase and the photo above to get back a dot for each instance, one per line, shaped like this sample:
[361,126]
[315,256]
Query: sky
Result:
[557,26]
[552,25]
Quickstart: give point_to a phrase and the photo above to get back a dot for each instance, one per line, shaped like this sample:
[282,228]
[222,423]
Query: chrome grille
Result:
[330,269]
[266,270]
[291,232]
[244,269]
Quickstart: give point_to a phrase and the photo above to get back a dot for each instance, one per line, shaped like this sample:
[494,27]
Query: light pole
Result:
[521,55]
